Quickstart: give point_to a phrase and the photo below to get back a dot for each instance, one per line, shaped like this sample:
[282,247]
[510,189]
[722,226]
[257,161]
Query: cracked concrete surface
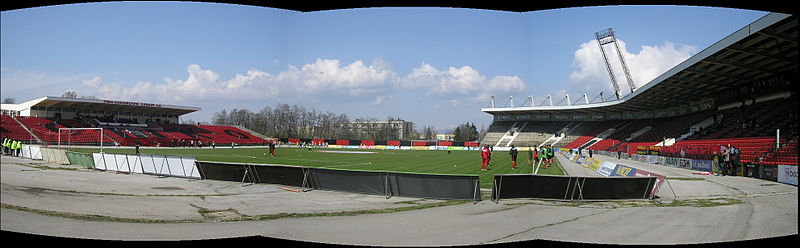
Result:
[756,212]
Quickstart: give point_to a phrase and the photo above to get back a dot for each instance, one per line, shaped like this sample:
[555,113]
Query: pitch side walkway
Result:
[684,183]
[763,211]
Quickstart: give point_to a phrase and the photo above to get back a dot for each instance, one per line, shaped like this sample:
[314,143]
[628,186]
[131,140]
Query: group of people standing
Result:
[730,159]
[13,147]
[545,152]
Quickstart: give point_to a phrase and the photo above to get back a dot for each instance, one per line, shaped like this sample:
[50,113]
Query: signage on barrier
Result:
[652,159]
[703,165]
[623,171]
[685,163]
[606,168]
[580,160]
[787,174]
[671,162]
[595,165]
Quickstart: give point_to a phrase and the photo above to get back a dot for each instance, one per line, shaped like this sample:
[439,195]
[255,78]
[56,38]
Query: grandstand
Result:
[123,123]
[739,91]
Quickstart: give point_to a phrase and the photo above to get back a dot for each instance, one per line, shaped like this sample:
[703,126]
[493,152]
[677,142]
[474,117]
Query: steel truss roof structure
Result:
[763,49]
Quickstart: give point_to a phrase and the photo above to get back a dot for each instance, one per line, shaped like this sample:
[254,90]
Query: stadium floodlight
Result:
[70,131]
[605,37]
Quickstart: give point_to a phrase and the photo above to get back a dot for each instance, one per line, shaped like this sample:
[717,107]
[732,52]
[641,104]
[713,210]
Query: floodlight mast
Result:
[605,37]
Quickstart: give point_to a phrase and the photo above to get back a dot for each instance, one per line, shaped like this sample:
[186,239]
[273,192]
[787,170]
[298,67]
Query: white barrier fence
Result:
[54,155]
[161,165]
[32,152]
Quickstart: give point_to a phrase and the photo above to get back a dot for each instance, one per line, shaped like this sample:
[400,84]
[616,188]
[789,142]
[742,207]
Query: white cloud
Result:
[380,100]
[591,75]
[94,82]
[329,76]
[323,80]
[463,82]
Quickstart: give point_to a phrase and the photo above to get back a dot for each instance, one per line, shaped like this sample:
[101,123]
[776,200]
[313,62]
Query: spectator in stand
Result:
[513,153]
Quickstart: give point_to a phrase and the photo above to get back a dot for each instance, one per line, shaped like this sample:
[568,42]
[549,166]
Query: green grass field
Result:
[414,161]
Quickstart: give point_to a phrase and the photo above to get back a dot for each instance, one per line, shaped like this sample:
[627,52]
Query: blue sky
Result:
[432,66]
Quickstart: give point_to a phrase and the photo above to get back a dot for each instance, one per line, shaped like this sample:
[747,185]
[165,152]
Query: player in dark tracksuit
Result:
[272,148]
[513,153]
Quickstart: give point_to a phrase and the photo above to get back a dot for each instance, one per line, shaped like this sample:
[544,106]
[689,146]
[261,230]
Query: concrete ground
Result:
[42,199]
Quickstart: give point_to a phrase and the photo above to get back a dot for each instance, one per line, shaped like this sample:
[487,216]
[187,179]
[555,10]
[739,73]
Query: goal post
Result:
[68,137]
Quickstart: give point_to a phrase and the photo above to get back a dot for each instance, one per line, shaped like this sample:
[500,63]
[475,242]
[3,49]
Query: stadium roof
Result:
[98,104]
[763,49]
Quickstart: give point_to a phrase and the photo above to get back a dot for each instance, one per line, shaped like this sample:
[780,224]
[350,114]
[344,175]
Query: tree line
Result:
[300,122]
[293,121]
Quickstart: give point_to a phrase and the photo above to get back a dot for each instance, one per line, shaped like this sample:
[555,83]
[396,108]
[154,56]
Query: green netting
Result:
[82,159]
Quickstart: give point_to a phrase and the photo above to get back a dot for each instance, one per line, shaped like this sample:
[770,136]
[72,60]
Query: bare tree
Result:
[70,94]
[286,120]
[9,100]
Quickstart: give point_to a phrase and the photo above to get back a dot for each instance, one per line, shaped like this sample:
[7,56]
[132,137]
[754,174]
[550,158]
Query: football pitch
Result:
[411,161]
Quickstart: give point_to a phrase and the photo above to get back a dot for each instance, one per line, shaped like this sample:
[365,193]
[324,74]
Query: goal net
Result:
[83,136]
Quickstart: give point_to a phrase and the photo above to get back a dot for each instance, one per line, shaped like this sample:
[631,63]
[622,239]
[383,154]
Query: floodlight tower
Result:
[607,36]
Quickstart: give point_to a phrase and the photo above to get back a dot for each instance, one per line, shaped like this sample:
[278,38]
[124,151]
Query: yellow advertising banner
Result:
[595,164]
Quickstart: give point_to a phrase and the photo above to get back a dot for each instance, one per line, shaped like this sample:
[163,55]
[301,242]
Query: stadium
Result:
[646,163]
